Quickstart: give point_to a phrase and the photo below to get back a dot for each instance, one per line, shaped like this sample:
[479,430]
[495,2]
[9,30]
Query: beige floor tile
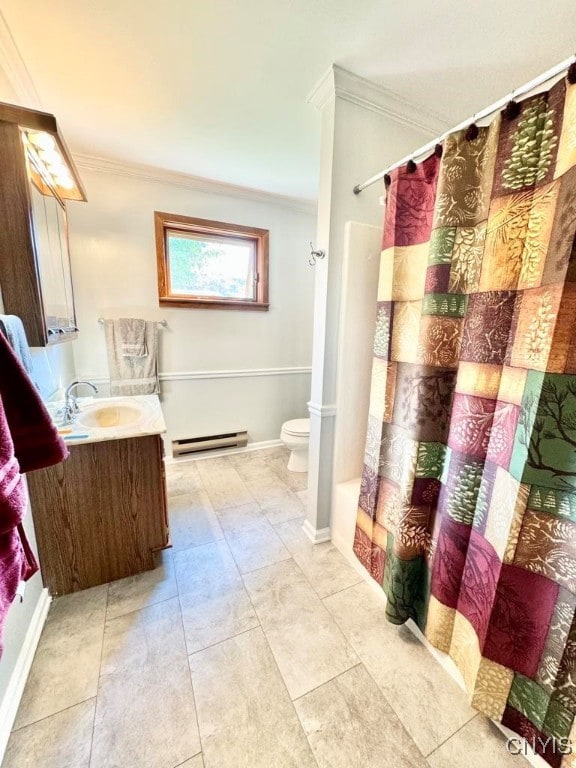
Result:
[322,564]
[145,589]
[267,487]
[245,715]
[260,456]
[308,646]
[194,762]
[256,545]
[62,740]
[182,478]
[428,702]
[214,601]
[303,496]
[192,521]
[296,481]
[479,744]
[250,465]
[223,484]
[263,483]
[350,724]
[145,715]
[234,519]
[67,661]
[283,508]
[277,451]
[252,539]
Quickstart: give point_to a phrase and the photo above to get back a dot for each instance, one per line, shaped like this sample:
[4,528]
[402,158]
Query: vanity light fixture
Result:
[48,165]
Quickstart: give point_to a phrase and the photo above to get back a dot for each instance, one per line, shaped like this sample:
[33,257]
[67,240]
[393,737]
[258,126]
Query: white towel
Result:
[132,375]
[11,326]
[133,336]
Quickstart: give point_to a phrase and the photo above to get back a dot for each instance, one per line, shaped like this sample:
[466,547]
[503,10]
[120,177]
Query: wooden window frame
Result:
[260,238]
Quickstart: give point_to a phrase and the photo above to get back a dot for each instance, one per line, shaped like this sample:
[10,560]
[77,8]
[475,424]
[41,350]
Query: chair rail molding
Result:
[218,374]
[323,411]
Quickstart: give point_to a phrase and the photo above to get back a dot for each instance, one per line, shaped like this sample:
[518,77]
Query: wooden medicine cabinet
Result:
[37,177]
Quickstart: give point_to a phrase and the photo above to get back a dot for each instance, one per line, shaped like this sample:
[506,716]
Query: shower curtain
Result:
[467,509]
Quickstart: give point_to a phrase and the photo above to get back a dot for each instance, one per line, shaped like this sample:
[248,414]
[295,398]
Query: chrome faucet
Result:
[70,403]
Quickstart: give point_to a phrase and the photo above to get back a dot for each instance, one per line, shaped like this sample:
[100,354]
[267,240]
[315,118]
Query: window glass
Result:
[211,266]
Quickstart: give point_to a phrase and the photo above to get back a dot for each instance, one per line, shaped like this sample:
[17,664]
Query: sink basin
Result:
[107,416]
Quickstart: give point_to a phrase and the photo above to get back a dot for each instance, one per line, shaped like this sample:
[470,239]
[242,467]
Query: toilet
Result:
[295,435]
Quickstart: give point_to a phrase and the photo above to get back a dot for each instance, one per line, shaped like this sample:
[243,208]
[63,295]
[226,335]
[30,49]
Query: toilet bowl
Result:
[295,435]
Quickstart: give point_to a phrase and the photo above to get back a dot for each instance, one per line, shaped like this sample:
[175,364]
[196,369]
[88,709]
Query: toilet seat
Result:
[297,427]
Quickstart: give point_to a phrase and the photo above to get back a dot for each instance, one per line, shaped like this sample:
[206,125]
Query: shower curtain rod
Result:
[540,80]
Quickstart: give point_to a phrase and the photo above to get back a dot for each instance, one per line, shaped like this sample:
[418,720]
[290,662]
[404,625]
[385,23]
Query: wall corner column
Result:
[364,127]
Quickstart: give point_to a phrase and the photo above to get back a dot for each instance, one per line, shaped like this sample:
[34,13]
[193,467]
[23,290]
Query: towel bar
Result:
[163,323]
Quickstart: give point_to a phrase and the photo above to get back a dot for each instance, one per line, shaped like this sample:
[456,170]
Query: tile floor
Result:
[246,648]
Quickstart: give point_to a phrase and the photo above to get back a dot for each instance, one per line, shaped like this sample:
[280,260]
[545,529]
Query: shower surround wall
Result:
[225,370]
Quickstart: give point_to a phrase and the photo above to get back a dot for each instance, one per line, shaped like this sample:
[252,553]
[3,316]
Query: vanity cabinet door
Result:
[100,515]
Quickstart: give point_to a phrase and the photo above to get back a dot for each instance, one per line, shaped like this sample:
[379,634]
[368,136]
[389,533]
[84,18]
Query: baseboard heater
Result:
[209,443]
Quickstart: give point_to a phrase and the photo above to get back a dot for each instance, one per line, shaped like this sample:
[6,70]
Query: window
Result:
[206,264]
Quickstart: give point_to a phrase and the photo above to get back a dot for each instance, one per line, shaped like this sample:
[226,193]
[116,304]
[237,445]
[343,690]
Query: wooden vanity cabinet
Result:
[100,515]
[35,273]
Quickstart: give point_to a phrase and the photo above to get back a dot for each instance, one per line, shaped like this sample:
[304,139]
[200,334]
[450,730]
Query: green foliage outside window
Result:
[210,268]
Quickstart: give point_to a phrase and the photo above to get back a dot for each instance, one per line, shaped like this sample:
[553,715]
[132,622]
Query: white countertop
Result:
[101,418]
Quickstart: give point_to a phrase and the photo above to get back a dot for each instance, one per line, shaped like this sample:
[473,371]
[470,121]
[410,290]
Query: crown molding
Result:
[187,181]
[12,64]
[324,90]
[338,82]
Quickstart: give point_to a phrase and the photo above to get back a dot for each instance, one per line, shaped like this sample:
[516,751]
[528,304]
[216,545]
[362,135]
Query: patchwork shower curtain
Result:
[467,510]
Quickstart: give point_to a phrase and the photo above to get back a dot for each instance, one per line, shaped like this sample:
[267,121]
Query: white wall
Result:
[114,274]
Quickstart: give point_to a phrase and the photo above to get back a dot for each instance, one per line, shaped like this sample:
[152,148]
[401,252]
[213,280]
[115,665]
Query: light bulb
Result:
[64,181]
[50,156]
[57,169]
[42,140]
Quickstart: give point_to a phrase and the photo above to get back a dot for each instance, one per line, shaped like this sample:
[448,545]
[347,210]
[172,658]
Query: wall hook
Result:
[314,255]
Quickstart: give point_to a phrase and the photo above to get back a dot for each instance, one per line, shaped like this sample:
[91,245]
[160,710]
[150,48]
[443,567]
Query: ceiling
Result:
[217,88]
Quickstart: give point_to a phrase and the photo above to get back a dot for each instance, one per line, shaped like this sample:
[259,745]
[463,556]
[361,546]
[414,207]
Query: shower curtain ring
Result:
[473,130]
